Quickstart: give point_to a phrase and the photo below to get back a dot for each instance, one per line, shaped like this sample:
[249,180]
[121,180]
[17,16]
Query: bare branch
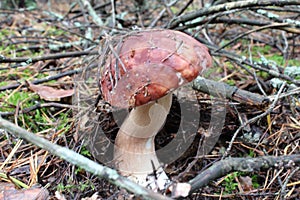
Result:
[228,6]
[269,110]
[92,13]
[228,165]
[81,161]
[49,78]
[232,92]
[29,60]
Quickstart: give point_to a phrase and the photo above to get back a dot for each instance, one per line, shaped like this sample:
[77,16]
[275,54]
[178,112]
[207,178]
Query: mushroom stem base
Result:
[134,152]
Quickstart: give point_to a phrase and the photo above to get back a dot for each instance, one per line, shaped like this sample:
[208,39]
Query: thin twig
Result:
[228,6]
[35,107]
[242,60]
[286,94]
[103,5]
[276,18]
[29,60]
[92,13]
[214,20]
[187,4]
[77,159]
[228,165]
[283,192]
[251,31]
[250,121]
[49,78]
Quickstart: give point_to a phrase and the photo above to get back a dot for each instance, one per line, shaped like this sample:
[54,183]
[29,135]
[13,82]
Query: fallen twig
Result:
[251,31]
[242,60]
[213,20]
[77,159]
[95,17]
[232,92]
[49,78]
[228,165]
[270,109]
[29,60]
[35,107]
[228,6]
[283,192]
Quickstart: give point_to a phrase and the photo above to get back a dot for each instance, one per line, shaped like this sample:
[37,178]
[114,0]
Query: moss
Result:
[230,82]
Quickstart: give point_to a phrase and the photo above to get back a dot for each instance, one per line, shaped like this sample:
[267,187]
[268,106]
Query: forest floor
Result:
[45,48]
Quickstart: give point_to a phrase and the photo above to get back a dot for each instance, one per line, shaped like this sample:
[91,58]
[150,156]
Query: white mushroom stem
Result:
[134,153]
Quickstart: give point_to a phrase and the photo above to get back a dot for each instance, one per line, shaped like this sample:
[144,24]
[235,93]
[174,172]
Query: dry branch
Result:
[229,6]
[49,78]
[268,111]
[81,161]
[232,92]
[213,20]
[97,20]
[47,57]
[244,61]
[251,31]
[228,165]
[35,107]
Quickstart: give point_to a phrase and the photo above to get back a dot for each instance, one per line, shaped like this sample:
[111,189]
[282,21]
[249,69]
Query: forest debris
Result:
[9,192]
[95,196]
[82,161]
[223,167]
[246,183]
[59,196]
[180,189]
[50,94]
[30,41]
[204,85]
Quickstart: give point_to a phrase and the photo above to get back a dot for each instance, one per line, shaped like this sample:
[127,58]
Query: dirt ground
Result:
[46,49]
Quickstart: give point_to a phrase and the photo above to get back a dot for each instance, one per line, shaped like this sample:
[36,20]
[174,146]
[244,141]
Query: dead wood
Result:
[228,165]
[81,161]
[232,92]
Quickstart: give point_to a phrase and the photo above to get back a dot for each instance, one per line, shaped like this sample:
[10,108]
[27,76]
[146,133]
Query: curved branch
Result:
[244,61]
[49,78]
[77,159]
[226,166]
[46,57]
[35,107]
[229,6]
[232,92]
[251,31]
[288,28]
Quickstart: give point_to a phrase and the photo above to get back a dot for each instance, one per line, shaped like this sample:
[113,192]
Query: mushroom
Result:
[140,72]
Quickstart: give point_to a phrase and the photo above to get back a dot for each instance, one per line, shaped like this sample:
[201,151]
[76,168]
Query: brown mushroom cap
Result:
[151,64]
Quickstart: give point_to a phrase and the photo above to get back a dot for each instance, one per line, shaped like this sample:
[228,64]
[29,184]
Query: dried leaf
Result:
[93,197]
[59,196]
[180,189]
[9,192]
[49,93]
[246,183]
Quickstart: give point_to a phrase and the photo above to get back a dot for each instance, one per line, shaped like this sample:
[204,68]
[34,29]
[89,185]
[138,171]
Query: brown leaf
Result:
[49,93]
[93,197]
[59,196]
[180,189]
[9,192]
[246,183]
